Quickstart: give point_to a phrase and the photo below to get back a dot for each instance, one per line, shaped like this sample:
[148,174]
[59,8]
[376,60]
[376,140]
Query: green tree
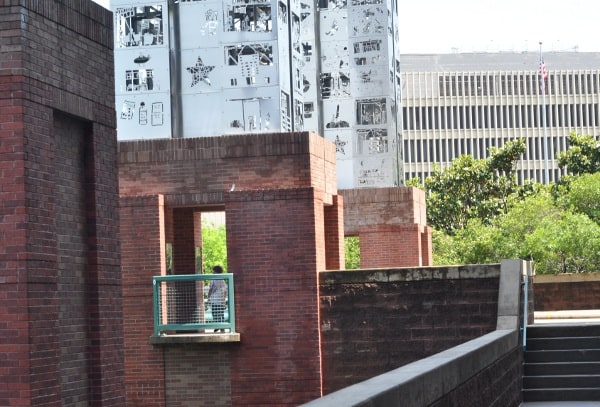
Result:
[472,188]
[214,246]
[569,243]
[444,249]
[583,155]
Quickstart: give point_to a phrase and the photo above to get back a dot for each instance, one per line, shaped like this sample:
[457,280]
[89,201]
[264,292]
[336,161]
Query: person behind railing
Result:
[217,297]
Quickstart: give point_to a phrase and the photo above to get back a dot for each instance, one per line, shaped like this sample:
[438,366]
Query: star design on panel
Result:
[200,72]
[339,145]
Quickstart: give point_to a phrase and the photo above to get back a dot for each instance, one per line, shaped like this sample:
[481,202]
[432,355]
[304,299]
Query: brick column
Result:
[273,255]
[426,247]
[390,246]
[143,256]
[334,234]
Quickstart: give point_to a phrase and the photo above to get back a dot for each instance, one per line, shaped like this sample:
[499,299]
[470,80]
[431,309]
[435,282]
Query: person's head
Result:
[217,269]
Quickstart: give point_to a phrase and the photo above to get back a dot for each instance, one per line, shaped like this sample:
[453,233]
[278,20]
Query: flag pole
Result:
[543,91]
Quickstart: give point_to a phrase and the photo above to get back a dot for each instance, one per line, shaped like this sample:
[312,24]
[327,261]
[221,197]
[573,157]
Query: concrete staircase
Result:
[562,363]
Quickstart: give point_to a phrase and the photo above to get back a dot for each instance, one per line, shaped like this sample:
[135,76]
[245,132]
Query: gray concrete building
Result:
[457,104]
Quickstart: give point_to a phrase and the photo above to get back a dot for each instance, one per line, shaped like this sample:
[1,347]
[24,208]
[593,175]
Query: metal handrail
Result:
[178,307]
[525,306]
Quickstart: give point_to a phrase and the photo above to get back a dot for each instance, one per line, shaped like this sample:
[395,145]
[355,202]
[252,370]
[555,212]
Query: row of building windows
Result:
[522,175]
[432,151]
[486,84]
[499,117]
[445,150]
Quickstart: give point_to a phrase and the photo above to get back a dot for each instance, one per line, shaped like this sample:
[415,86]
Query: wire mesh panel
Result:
[195,302]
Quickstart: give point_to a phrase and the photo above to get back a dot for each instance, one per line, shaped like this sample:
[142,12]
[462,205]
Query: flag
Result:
[543,75]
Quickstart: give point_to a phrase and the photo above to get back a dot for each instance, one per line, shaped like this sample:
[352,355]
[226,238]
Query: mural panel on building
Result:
[235,66]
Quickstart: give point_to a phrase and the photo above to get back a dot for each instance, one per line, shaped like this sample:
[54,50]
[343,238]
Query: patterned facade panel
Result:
[272,65]
[142,76]
[206,22]
[143,116]
[374,171]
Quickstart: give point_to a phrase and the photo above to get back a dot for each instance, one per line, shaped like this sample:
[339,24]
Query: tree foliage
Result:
[582,194]
[352,248]
[539,228]
[214,246]
[482,216]
[583,155]
[473,189]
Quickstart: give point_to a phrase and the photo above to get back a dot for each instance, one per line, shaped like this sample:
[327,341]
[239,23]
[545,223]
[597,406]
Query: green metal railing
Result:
[181,304]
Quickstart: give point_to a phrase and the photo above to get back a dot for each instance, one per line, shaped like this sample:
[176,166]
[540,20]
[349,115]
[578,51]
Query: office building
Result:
[457,104]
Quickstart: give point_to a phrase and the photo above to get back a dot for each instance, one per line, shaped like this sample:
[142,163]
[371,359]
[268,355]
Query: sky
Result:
[440,26]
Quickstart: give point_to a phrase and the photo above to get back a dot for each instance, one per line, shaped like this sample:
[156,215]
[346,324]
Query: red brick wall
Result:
[373,321]
[46,294]
[284,196]
[566,292]
[273,255]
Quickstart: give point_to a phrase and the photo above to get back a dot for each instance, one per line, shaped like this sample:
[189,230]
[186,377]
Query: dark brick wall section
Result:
[373,321]
[60,299]
[566,292]
[497,386]
[198,375]
[72,254]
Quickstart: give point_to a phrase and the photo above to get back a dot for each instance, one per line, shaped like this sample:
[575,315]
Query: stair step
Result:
[561,368]
[563,330]
[569,355]
[568,381]
[562,394]
[563,343]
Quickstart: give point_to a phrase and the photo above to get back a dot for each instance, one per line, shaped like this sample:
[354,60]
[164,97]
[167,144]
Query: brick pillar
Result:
[272,253]
[334,235]
[198,240]
[426,247]
[390,246]
[375,214]
[143,256]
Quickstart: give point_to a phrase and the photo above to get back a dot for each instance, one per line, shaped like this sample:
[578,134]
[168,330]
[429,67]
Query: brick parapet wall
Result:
[56,57]
[373,321]
[566,292]
[498,385]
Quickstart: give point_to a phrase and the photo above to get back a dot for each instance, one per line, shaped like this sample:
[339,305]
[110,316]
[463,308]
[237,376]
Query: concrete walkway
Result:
[570,317]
